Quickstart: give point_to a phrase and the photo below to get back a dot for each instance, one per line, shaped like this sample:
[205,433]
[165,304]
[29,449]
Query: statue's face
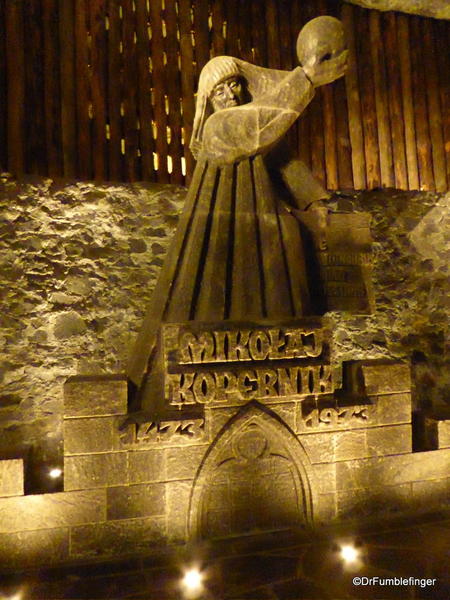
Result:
[227,93]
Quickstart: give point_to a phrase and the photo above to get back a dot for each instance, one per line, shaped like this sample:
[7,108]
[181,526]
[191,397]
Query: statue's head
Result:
[321,50]
[227,93]
[221,82]
[221,85]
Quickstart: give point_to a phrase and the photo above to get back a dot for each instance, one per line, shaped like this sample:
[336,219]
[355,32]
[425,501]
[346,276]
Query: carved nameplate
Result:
[341,279]
[231,364]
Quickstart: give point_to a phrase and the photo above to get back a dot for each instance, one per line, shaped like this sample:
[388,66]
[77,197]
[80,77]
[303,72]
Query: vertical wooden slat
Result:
[286,41]
[434,107]
[187,80]
[272,33]
[368,108]
[344,176]
[404,58]
[16,85]
[303,124]
[232,32]
[442,37]
[68,102]
[330,176]
[50,15]
[159,86]
[330,139]
[144,96]
[83,100]
[174,93]
[35,149]
[217,17]
[245,27]
[424,156]
[343,148]
[115,86]
[3,90]
[130,87]
[314,115]
[258,33]
[395,100]
[381,100]
[354,101]
[98,60]
[201,33]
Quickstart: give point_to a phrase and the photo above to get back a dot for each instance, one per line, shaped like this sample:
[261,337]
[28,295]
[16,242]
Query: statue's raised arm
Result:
[253,107]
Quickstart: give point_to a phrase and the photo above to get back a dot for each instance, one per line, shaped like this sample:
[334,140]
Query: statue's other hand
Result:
[328,70]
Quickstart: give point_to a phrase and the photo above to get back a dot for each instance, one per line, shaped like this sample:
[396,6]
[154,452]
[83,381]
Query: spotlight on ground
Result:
[349,554]
[192,582]
[55,473]
[16,596]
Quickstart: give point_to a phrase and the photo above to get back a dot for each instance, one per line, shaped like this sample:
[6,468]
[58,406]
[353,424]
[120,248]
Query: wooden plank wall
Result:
[104,89]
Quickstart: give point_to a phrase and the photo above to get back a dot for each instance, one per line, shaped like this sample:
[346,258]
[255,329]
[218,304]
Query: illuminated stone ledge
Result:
[380,488]
[437,432]
[337,446]
[11,477]
[125,496]
[50,511]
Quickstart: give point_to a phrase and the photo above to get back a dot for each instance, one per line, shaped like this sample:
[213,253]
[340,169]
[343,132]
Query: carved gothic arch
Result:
[271,442]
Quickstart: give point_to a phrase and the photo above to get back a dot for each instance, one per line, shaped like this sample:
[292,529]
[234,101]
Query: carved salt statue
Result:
[237,253]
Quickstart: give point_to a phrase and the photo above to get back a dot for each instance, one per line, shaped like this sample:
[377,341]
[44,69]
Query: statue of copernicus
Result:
[237,252]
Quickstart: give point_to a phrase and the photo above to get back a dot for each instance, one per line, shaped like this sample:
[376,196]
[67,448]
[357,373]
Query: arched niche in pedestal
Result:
[255,477]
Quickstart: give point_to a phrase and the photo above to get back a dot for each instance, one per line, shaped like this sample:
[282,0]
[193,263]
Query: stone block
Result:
[324,509]
[129,502]
[384,441]
[374,502]
[11,477]
[96,395]
[32,548]
[117,537]
[46,511]
[216,418]
[183,463]
[328,447]
[431,494]
[392,470]
[90,435]
[287,413]
[437,432]
[386,378]
[324,478]
[146,465]
[177,496]
[392,409]
[95,470]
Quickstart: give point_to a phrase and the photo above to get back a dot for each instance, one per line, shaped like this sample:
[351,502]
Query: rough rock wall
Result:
[79,262]
[411,277]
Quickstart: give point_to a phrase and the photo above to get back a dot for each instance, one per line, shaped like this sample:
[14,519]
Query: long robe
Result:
[237,253]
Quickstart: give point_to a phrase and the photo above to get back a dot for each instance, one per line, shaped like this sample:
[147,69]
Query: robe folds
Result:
[237,253]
